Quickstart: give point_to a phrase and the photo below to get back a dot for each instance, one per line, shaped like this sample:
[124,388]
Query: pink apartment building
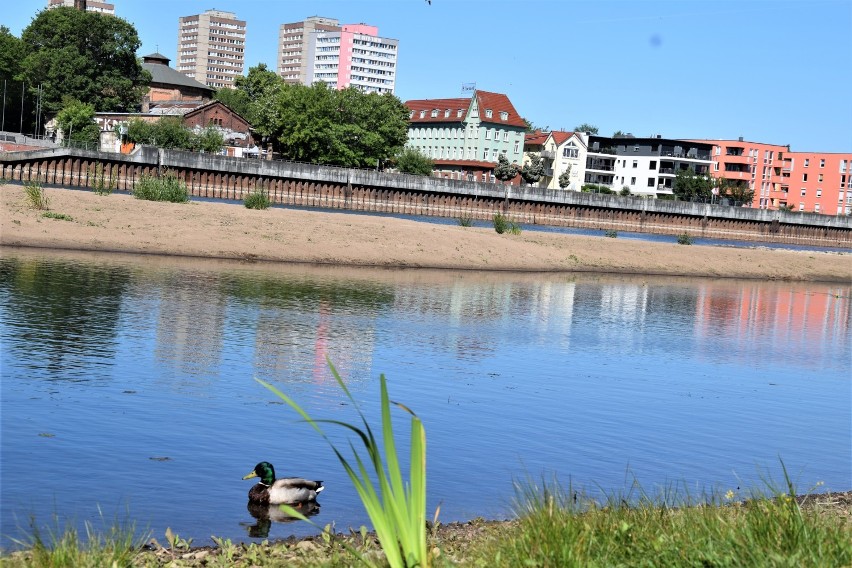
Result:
[354,56]
[816,182]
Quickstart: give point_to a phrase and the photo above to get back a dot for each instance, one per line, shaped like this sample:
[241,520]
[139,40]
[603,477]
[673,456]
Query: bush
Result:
[684,239]
[611,233]
[256,200]
[514,228]
[501,223]
[625,191]
[165,188]
[595,188]
[466,221]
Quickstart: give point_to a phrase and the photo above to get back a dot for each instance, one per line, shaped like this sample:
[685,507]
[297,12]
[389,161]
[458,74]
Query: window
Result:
[504,115]
[804,192]
[822,163]
[459,112]
[422,114]
[633,181]
[506,136]
[517,145]
[715,166]
[651,182]
[816,208]
[488,113]
[488,134]
[653,165]
[636,148]
[804,177]
[446,113]
[570,153]
[410,115]
[494,155]
[718,150]
[635,163]
[801,206]
[485,154]
[807,162]
[819,193]
[819,178]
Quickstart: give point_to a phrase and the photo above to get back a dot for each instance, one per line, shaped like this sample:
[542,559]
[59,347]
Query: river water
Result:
[129,391]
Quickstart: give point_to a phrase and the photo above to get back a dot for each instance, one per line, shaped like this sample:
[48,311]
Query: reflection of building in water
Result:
[622,305]
[291,345]
[190,324]
[450,316]
[810,321]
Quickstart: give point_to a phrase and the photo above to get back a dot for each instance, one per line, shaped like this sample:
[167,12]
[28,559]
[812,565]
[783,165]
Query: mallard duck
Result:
[287,490]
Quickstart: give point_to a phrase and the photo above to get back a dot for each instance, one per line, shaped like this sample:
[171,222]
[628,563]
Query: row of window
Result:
[471,132]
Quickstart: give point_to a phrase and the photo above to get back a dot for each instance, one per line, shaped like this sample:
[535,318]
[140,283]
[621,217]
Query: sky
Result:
[777,72]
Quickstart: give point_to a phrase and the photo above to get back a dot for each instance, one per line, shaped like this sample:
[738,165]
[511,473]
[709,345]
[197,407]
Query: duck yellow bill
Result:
[250,475]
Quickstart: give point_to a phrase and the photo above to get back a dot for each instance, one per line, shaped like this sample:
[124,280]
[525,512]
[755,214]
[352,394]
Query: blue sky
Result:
[769,71]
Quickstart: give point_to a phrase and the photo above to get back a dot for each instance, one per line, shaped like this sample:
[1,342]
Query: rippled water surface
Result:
[128,386]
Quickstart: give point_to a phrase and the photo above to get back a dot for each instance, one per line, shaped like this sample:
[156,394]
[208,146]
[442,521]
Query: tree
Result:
[412,161]
[12,51]
[533,128]
[586,127]
[565,177]
[85,56]
[321,125]
[689,186]
[621,134]
[737,191]
[533,170]
[250,91]
[236,100]
[504,171]
[77,122]
[170,132]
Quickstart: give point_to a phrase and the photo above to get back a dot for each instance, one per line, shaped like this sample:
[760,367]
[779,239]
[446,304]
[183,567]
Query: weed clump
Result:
[256,200]
[36,196]
[684,239]
[164,188]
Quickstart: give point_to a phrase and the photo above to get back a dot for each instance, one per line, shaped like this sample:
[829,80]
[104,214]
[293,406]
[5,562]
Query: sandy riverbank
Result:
[121,223]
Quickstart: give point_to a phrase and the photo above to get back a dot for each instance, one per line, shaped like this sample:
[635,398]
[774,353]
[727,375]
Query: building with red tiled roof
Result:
[465,136]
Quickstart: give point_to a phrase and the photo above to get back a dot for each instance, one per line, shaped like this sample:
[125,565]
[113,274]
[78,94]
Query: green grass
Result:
[684,239]
[562,528]
[256,200]
[61,216]
[163,188]
[397,508]
[36,196]
[63,547]
[466,221]
[502,224]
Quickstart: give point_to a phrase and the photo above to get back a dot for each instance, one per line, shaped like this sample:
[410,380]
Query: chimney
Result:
[80,5]
[741,138]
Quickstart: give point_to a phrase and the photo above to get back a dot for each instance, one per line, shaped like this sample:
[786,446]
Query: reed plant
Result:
[559,527]
[397,508]
[36,196]
[161,188]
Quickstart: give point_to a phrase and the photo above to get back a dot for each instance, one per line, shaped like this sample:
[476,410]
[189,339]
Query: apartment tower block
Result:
[211,47]
[293,40]
[86,5]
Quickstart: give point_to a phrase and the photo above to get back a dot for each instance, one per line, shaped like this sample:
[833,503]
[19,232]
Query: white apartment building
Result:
[355,57]
[90,5]
[293,42]
[211,47]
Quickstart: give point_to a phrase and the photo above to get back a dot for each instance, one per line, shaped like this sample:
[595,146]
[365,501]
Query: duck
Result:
[283,491]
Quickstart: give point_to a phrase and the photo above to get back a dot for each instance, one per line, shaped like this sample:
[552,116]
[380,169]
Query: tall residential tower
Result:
[211,47]
[293,41]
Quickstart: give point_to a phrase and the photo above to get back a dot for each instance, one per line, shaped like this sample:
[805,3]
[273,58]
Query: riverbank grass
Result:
[560,528]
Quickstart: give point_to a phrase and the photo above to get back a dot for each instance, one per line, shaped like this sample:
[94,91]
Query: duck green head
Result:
[264,471]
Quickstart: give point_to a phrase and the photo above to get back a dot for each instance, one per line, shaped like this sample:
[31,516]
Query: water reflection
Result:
[265,515]
[679,379]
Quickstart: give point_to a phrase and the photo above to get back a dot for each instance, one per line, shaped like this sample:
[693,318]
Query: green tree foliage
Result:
[77,122]
[170,132]
[565,177]
[586,127]
[689,186]
[505,171]
[12,51]
[736,191]
[533,170]
[412,161]
[325,126]
[533,128]
[236,100]
[85,56]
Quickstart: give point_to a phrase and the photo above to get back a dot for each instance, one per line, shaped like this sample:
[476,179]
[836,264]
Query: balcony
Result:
[734,159]
[549,154]
[600,166]
[610,151]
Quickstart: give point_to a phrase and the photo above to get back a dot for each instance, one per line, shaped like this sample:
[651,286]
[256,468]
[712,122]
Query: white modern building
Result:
[293,43]
[211,47]
[355,57]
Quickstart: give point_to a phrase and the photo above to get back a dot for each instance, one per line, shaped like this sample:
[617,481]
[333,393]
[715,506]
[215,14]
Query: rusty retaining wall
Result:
[307,185]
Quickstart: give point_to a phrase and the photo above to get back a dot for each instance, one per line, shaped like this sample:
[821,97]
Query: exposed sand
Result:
[121,223]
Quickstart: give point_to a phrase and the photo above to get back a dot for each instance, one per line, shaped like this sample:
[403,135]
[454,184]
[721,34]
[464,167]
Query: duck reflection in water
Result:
[266,514]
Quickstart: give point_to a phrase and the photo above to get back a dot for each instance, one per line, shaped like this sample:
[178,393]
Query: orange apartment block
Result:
[816,182]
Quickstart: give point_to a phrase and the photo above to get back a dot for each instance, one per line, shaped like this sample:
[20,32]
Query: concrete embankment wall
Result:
[308,185]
